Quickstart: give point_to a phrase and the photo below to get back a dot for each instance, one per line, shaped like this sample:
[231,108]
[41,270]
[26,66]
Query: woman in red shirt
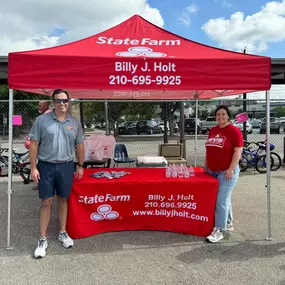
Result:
[223,150]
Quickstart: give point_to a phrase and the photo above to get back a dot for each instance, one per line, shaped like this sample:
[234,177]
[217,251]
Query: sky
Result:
[255,25]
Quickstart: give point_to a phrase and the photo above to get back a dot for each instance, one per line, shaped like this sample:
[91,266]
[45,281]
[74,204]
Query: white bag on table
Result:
[93,149]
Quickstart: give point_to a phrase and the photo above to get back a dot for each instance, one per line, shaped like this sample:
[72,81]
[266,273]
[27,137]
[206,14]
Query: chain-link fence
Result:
[140,125]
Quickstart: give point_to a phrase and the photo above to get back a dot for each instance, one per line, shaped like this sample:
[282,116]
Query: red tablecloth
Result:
[142,200]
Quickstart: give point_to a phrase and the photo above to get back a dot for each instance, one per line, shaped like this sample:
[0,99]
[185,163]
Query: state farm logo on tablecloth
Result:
[104,212]
[140,51]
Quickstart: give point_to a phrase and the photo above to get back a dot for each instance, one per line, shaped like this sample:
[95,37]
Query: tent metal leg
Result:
[182,129]
[10,178]
[268,174]
[106,117]
[196,134]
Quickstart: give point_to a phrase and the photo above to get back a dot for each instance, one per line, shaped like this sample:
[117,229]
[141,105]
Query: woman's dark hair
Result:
[226,108]
[58,91]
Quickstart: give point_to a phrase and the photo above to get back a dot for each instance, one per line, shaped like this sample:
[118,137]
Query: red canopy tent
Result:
[136,60]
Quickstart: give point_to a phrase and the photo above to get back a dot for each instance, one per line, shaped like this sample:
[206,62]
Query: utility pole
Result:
[244,110]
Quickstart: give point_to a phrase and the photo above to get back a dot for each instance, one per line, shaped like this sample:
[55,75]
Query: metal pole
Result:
[244,110]
[9,192]
[268,164]
[81,112]
[244,123]
[106,117]
[165,135]
[182,130]
[196,132]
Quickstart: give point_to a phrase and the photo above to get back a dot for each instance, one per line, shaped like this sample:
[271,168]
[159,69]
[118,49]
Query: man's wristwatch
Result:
[80,165]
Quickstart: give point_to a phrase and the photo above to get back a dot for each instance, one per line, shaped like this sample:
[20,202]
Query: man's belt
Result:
[57,161]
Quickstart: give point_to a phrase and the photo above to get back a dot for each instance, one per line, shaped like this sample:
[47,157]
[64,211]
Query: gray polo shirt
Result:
[56,139]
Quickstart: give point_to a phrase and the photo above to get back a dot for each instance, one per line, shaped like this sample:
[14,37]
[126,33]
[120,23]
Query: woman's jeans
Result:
[224,212]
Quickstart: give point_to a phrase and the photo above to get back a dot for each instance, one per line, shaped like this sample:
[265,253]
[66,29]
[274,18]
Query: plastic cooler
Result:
[151,161]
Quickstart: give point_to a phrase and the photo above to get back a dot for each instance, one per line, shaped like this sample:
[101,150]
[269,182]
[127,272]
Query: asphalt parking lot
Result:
[150,257]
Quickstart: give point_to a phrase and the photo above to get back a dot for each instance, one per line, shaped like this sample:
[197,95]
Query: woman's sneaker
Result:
[40,251]
[66,240]
[215,236]
[230,226]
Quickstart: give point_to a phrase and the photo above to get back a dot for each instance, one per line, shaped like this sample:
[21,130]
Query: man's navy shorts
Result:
[55,178]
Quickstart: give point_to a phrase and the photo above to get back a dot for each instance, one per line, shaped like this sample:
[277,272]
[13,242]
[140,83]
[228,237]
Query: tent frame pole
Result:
[106,118]
[10,178]
[196,131]
[268,164]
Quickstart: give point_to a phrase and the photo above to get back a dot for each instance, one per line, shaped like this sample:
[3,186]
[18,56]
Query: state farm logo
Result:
[104,212]
[140,51]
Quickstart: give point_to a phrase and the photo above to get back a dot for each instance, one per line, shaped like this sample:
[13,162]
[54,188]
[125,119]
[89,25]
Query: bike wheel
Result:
[25,172]
[277,161]
[243,164]
[4,166]
[261,166]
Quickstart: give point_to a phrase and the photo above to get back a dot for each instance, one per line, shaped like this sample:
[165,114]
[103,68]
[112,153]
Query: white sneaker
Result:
[230,226]
[215,236]
[66,240]
[40,251]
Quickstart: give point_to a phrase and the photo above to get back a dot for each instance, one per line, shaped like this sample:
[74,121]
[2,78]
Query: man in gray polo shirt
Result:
[55,137]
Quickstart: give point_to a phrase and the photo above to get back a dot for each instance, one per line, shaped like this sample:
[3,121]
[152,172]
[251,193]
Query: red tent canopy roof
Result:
[136,31]
[137,56]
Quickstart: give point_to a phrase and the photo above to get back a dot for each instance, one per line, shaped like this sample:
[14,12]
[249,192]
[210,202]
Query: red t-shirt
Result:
[220,146]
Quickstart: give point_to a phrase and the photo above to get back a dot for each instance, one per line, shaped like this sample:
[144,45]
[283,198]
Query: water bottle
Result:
[119,156]
[168,171]
[123,156]
[186,172]
[174,171]
[180,171]
[191,171]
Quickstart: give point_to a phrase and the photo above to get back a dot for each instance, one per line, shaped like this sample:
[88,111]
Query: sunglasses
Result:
[64,101]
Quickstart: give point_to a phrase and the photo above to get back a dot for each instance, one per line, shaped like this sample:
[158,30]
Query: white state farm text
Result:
[135,42]
[103,198]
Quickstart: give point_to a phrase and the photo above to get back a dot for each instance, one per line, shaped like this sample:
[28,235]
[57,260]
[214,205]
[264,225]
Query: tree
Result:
[279,111]
[170,108]
[203,114]
[115,112]
[28,110]
[141,110]
[94,112]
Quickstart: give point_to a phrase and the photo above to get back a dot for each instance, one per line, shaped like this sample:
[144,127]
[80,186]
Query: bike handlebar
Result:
[259,144]
[7,150]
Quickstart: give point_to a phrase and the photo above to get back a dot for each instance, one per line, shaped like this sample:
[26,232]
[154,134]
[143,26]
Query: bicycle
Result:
[20,165]
[276,157]
[250,159]
[262,149]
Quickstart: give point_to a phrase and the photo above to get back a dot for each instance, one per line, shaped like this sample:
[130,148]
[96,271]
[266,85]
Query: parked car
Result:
[208,124]
[148,127]
[189,126]
[175,126]
[282,121]
[128,128]
[255,123]
[275,126]
[161,125]
[240,126]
